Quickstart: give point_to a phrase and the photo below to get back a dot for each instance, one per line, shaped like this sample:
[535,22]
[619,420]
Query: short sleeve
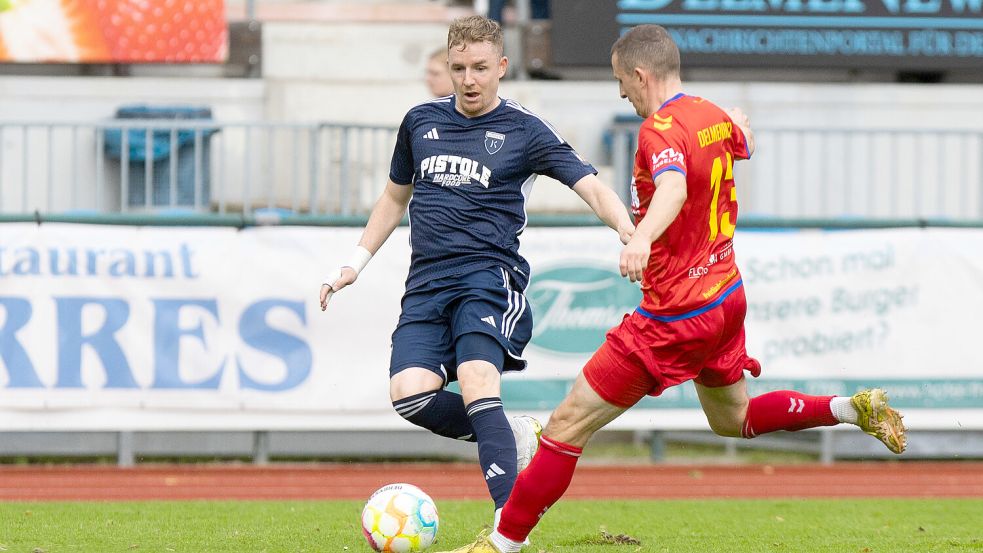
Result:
[741,150]
[664,149]
[552,156]
[401,169]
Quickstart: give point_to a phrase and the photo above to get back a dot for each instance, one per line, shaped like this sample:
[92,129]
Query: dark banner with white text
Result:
[926,35]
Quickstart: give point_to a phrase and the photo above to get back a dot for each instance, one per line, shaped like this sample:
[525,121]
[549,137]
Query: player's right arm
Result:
[385,217]
[606,205]
[670,195]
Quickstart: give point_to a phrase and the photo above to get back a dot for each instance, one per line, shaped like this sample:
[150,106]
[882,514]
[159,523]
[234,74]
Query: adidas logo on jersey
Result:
[490,320]
[432,134]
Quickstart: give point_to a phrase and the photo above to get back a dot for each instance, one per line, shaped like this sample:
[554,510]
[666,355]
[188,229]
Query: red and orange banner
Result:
[113,31]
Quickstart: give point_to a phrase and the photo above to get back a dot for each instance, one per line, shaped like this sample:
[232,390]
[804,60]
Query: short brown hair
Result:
[649,47]
[472,29]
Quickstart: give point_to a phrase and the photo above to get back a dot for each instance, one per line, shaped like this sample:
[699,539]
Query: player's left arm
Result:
[667,202]
[740,119]
[550,155]
[606,205]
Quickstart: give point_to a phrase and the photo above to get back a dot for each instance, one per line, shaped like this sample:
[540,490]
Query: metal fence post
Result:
[50,189]
[124,448]
[827,446]
[261,447]
[657,447]
[172,165]
[343,183]
[523,16]
[315,169]
[730,449]
[124,171]
[25,163]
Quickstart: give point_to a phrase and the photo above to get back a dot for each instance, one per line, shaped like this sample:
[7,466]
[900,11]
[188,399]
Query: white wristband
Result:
[359,259]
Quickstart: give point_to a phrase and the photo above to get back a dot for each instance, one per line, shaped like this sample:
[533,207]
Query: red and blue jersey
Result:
[691,267]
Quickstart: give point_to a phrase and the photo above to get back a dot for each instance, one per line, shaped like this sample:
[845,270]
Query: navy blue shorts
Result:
[434,316]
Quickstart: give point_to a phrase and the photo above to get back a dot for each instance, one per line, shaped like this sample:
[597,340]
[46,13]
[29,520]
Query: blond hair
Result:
[648,47]
[472,29]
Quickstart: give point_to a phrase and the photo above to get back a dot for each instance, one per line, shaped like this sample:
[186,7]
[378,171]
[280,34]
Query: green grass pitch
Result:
[685,526]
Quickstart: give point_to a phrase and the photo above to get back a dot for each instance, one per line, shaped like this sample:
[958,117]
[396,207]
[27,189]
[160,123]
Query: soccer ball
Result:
[399,518]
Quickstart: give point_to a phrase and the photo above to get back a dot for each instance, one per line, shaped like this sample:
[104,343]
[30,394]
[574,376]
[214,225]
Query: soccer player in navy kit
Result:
[467,161]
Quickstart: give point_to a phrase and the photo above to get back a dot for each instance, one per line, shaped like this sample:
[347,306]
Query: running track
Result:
[463,481]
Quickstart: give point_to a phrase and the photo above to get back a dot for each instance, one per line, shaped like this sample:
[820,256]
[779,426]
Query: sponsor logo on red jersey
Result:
[665,158]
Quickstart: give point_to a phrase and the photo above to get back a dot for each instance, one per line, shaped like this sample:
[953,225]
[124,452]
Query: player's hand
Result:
[738,116]
[634,258]
[336,280]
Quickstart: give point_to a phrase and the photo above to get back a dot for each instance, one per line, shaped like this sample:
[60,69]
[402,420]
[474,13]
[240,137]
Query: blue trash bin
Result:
[160,152]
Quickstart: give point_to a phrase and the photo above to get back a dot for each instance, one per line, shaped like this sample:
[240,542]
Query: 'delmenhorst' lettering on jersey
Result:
[450,170]
[714,133]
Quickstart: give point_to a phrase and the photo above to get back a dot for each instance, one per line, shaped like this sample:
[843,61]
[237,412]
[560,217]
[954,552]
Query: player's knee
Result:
[560,423]
[478,379]
[569,426]
[413,381]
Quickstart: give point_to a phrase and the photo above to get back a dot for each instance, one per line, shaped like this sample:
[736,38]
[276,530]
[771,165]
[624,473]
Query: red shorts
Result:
[644,356]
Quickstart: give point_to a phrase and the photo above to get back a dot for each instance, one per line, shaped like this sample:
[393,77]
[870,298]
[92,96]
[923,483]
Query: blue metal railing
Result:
[132,166]
[283,170]
[848,172]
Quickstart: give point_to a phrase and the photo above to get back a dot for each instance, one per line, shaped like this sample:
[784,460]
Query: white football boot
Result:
[527,431]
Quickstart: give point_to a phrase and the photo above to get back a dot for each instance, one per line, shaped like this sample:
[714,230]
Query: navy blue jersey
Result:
[471,179]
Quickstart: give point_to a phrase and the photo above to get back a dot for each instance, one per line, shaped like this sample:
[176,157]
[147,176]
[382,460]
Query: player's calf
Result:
[790,410]
[786,410]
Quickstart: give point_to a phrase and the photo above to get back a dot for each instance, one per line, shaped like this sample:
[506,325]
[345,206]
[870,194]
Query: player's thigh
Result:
[492,304]
[582,413]
[726,362]
[419,351]
[480,358]
[724,406]
[721,385]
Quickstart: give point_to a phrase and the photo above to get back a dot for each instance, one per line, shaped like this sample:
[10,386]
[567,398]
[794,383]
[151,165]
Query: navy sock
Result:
[496,447]
[440,412]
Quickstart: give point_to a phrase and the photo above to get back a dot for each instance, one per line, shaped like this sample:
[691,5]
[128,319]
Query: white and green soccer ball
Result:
[400,518]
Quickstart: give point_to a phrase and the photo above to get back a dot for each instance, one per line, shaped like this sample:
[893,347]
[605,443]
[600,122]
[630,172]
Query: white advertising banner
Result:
[174,328]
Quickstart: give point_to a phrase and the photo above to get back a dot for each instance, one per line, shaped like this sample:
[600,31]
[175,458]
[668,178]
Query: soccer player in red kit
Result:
[690,324]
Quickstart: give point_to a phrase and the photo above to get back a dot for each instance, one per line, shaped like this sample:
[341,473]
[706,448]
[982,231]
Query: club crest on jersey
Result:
[494,142]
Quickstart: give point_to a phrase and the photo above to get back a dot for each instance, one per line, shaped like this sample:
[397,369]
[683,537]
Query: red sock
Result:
[786,410]
[538,487]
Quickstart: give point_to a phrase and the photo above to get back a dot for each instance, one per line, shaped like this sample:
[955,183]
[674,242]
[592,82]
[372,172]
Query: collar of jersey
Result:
[479,118]
[670,100]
